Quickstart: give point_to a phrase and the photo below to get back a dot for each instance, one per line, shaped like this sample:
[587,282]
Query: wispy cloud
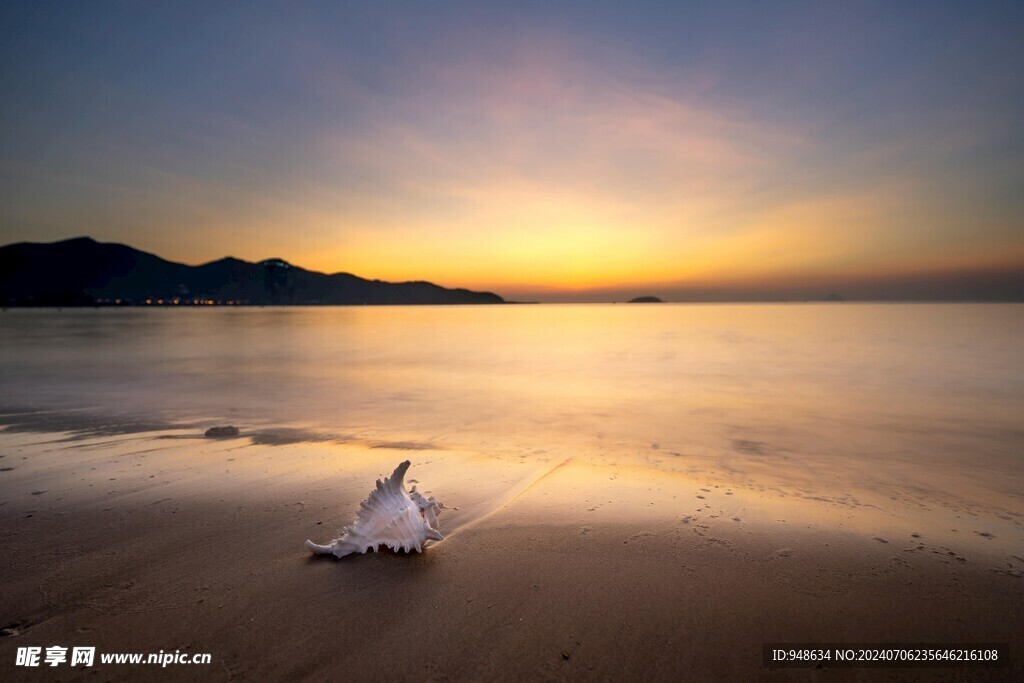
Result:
[524,151]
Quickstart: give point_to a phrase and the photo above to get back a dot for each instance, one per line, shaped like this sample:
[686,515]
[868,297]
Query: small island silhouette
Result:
[645,300]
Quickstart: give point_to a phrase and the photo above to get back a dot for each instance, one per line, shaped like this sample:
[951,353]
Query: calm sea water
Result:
[940,386]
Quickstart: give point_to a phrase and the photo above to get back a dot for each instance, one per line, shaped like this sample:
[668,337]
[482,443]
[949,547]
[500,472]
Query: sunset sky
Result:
[557,151]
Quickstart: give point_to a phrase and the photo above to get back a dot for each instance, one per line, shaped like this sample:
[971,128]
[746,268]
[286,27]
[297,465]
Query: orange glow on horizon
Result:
[547,173]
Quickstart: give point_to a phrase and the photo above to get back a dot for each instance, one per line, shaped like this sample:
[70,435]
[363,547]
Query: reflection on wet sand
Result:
[655,490]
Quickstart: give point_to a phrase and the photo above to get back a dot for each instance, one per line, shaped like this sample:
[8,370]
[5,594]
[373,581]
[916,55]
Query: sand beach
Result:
[554,567]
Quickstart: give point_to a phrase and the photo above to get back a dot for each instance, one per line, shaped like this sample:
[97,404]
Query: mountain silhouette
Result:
[84,272]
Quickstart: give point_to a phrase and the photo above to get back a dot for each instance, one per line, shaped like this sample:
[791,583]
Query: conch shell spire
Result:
[390,516]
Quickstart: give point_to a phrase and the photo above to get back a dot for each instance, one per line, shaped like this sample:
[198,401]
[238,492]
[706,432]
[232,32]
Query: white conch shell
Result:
[391,517]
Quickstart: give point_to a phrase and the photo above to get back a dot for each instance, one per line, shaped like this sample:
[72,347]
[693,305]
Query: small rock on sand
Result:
[11,630]
[221,432]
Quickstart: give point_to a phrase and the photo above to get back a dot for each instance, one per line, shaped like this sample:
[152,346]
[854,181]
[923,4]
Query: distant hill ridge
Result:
[84,272]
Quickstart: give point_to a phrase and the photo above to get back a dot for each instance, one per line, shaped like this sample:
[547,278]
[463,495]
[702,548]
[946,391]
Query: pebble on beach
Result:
[221,432]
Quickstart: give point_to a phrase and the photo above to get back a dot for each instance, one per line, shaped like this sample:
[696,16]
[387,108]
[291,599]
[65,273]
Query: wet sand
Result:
[555,566]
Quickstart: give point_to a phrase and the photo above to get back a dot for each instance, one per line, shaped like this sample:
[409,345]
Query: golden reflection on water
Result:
[910,402]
